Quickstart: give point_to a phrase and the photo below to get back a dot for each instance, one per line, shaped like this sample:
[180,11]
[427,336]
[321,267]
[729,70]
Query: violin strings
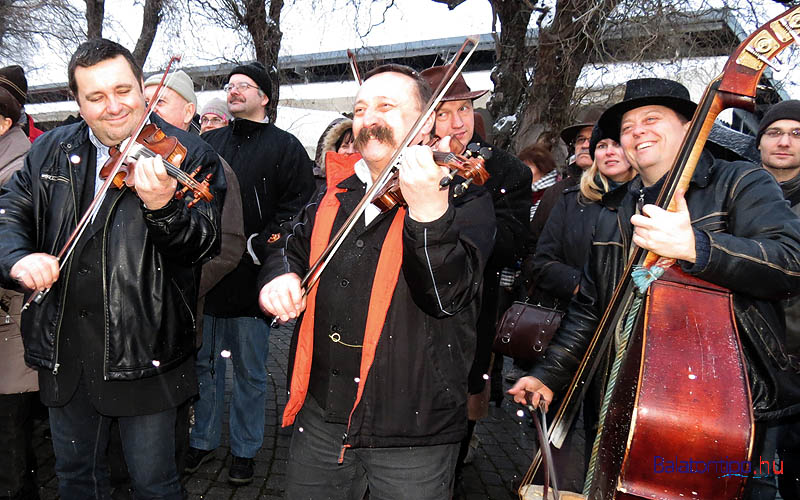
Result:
[176,172]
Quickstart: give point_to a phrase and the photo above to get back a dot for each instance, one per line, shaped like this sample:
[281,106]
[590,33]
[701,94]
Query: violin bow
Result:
[734,88]
[316,269]
[354,66]
[94,206]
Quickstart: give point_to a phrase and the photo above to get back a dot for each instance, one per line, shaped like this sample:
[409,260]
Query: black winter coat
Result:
[416,391]
[276,179]
[150,262]
[755,252]
[509,185]
[562,250]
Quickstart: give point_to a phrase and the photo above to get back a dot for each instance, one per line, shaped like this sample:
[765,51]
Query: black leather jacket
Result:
[150,259]
[755,252]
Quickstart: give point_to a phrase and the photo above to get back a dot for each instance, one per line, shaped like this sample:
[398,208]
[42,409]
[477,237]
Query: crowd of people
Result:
[124,302]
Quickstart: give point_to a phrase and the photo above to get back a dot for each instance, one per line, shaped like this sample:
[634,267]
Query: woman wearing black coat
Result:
[557,265]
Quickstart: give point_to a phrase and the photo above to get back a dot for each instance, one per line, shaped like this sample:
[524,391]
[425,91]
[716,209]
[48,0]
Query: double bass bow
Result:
[697,413]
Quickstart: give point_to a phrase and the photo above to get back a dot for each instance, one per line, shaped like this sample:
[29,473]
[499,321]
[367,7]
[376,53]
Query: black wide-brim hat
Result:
[648,92]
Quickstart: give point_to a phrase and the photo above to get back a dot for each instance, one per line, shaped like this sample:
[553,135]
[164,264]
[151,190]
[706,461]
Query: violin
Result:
[150,142]
[470,165]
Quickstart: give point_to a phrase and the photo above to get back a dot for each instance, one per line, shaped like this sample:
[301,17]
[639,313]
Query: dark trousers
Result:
[80,438]
[17,461]
[421,472]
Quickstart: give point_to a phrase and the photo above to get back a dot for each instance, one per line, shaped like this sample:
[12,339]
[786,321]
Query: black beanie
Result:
[12,78]
[784,110]
[9,106]
[258,73]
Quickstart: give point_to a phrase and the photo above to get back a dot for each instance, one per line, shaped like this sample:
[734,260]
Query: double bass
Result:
[677,423]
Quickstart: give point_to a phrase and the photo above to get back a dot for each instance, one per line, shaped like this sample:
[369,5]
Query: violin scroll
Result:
[471,165]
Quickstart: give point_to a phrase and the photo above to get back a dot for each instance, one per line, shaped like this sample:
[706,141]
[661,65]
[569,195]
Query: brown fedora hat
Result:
[458,91]
[586,118]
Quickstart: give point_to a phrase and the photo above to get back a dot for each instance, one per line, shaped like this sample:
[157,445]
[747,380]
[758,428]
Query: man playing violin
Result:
[378,389]
[509,185]
[731,228]
[114,337]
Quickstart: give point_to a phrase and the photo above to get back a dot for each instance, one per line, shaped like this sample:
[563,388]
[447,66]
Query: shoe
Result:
[240,471]
[514,374]
[196,457]
[474,442]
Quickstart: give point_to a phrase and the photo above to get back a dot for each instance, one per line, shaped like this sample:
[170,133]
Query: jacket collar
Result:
[241,126]
[700,178]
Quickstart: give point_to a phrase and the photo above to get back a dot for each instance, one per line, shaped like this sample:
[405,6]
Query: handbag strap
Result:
[544,446]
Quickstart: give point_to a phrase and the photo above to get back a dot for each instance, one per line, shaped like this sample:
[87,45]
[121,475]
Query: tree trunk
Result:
[95,13]
[266,35]
[564,48]
[510,74]
[150,21]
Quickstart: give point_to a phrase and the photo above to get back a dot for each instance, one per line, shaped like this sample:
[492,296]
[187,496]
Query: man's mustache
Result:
[380,133]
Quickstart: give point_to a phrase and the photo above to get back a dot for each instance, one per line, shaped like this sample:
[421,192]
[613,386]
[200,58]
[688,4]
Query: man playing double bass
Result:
[114,337]
[378,390]
[732,228]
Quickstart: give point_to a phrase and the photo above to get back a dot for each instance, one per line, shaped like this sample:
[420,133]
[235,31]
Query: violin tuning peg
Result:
[461,188]
[473,148]
[485,152]
[446,180]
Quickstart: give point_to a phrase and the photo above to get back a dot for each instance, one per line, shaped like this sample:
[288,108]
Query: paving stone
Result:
[501,459]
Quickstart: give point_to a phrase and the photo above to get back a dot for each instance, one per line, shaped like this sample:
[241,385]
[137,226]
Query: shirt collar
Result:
[363,173]
[101,148]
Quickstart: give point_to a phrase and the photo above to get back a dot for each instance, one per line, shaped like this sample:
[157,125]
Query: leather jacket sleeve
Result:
[16,222]
[191,234]
[445,259]
[758,254]
[569,344]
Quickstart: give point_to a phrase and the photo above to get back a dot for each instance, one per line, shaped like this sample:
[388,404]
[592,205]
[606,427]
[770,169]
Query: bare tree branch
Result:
[151,18]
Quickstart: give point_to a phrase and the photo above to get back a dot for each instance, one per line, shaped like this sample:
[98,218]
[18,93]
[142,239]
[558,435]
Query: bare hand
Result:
[36,271]
[283,297]
[419,182]
[529,390]
[152,182]
[668,234]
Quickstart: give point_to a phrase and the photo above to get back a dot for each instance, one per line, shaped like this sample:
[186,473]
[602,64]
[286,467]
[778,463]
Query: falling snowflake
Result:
[225,353]
[156,363]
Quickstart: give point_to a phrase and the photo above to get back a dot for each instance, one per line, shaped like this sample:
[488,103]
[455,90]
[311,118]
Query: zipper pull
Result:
[7,319]
[55,369]
[640,201]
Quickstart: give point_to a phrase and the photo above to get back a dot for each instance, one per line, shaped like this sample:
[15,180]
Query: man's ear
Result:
[5,124]
[189,110]
[428,128]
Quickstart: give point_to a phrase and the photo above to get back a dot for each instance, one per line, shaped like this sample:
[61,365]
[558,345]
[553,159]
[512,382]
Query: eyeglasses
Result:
[215,120]
[777,134]
[241,87]
[581,139]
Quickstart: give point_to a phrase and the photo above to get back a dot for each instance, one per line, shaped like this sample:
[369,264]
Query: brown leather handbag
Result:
[525,330]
